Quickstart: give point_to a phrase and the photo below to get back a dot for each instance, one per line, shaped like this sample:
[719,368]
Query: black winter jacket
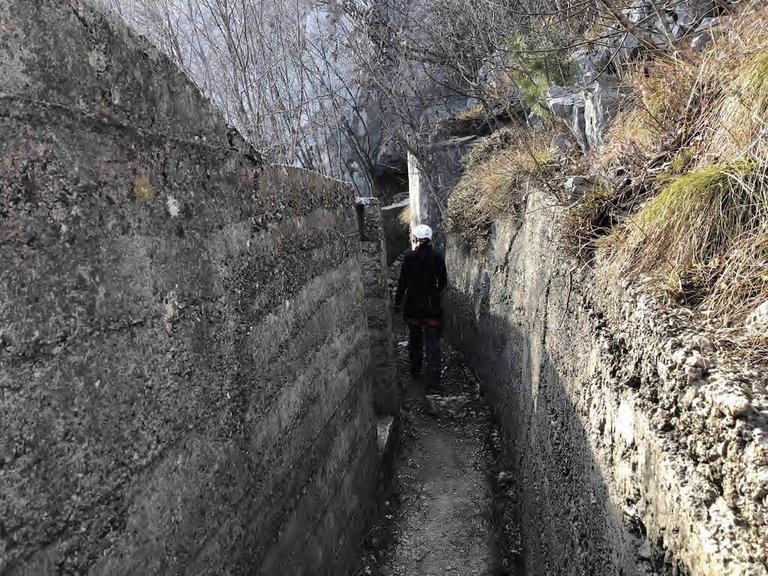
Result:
[422,279]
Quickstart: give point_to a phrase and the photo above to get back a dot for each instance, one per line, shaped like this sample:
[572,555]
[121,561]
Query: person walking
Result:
[422,279]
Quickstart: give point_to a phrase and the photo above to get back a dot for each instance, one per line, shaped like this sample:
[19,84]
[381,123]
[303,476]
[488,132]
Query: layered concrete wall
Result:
[387,390]
[184,353]
[635,446]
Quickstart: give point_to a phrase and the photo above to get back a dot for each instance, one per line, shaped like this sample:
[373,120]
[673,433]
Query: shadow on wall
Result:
[567,517]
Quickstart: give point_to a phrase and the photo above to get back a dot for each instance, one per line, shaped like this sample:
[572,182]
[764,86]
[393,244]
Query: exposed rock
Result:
[726,397]
[704,34]
[645,552]
[586,112]
[569,106]
[592,62]
[562,101]
[696,360]
[601,103]
[758,320]
[661,25]
[690,14]
[702,40]
[448,406]
[563,143]
[505,478]
[577,186]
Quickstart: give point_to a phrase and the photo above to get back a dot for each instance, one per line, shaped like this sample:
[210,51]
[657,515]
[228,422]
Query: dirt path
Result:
[439,517]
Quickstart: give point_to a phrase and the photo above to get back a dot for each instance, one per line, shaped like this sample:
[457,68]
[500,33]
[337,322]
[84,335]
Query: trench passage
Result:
[444,512]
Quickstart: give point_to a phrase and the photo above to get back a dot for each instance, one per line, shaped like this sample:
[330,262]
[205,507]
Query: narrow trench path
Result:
[443,512]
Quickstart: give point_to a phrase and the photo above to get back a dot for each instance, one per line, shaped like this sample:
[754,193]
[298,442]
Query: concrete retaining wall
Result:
[635,447]
[184,350]
[387,390]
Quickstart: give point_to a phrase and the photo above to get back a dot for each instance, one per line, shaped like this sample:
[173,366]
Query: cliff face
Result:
[184,353]
[635,445]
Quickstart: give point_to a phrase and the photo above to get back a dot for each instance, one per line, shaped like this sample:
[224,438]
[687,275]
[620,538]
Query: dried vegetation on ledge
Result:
[676,197]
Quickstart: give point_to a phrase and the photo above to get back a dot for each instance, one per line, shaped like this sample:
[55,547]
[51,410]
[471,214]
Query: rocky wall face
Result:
[387,390]
[184,351]
[634,447]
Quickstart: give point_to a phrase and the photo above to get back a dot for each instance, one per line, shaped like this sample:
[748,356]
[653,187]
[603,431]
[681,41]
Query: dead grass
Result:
[713,103]
[494,184]
[591,220]
[699,239]
[694,134]
[405,218]
[696,216]
[661,110]
[737,123]
[741,127]
[500,140]
[683,199]
[743,280]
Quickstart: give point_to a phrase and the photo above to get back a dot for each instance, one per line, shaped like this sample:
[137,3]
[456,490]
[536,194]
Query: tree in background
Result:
[329,84]
[277,69]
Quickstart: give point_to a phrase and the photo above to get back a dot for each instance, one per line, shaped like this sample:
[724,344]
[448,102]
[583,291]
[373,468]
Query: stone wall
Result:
[184,353]
[635,446]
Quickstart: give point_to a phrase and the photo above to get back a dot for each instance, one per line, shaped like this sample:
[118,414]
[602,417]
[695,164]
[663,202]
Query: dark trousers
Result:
[420,337]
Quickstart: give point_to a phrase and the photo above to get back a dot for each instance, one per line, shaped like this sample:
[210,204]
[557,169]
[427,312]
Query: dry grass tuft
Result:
[742,284]
[660,110]
[683,208]
[484,149]
[694,138]
[741,127]
[405,218]
[591,220]
[714,103]
[475,112]
[695,218]
[495,181]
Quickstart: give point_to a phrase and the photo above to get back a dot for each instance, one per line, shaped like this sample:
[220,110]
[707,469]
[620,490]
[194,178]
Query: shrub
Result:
[405,218]
[494,184]
[695,218]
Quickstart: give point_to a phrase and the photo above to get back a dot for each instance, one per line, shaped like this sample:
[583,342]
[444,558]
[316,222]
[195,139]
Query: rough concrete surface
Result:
[184,350]
[637,448]
[373,260]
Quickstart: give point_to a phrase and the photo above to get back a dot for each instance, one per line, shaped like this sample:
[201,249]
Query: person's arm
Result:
[442,274]
[402,285]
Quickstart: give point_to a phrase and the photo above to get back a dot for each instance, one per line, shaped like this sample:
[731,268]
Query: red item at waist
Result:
[429,322]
